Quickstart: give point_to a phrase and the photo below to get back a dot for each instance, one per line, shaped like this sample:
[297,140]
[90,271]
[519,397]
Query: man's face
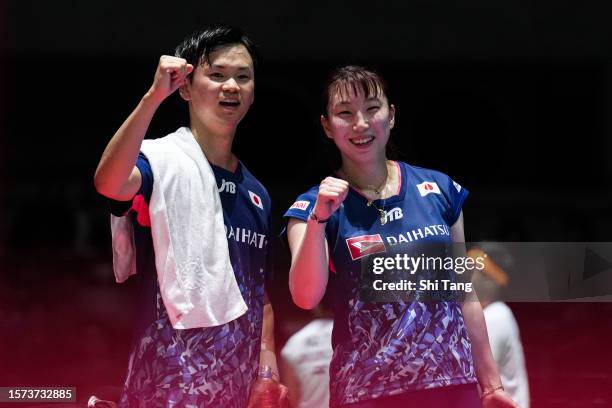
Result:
[222,91]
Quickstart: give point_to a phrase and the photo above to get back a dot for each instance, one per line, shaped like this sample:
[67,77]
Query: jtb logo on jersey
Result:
[227,186]
[365,245]
[394,214]
[427,187]
[255,199]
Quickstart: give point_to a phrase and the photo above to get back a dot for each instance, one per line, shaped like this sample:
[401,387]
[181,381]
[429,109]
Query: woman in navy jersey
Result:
[428,351]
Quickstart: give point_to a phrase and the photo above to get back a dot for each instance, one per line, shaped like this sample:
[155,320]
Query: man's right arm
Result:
[117,176]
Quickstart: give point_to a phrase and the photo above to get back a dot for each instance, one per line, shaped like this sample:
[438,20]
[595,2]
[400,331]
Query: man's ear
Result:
[325,125]
[184,91]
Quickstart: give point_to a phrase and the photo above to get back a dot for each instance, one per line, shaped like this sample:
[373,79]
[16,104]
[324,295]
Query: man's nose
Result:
[230,85]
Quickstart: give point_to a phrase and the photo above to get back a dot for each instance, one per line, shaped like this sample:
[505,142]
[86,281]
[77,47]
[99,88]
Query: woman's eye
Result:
[216,75]
[373,108]
[344,113]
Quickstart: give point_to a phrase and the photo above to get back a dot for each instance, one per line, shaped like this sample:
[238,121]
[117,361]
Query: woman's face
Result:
[359,125]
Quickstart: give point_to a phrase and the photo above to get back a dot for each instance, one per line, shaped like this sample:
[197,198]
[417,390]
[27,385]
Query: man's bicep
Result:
[131,186]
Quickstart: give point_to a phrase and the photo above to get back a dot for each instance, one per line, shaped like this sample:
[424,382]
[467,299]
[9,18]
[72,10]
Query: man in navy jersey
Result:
[176,359]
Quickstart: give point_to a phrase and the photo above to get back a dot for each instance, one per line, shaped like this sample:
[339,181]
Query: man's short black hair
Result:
[196,48]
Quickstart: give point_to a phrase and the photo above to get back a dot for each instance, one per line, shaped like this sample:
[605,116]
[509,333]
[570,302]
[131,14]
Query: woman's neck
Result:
[375,181]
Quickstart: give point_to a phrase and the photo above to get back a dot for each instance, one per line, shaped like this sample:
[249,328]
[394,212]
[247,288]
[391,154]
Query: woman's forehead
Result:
[349,92]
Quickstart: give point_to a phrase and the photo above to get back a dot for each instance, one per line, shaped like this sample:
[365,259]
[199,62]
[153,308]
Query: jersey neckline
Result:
[233,174]
[397,197]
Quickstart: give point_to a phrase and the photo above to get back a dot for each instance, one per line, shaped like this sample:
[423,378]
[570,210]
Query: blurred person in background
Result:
[503,331]
[305,361]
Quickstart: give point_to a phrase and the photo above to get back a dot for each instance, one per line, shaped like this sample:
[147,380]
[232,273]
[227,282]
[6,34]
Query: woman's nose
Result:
[361,122]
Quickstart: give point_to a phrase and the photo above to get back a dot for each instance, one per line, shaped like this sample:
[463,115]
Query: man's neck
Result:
[217,146]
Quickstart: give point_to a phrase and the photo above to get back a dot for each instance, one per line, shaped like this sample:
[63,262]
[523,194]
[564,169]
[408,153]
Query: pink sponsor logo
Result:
[365,245]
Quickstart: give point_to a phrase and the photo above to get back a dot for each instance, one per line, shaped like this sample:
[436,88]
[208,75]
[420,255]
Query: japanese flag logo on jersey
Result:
[255,199]
[428,187]
[365,245]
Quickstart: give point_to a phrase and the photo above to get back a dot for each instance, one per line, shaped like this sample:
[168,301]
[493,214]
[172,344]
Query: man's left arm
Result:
[267,354]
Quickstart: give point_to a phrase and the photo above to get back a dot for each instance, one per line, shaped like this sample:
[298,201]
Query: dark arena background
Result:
[512,99]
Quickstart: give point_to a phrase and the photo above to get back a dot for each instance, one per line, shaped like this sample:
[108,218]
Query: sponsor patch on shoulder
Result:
[300,205]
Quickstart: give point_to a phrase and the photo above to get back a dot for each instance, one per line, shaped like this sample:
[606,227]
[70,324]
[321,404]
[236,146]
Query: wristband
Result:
[313,216]
[267,368]
[490,391]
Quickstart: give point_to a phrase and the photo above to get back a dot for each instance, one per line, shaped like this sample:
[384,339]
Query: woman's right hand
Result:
[332,192]
[171,73]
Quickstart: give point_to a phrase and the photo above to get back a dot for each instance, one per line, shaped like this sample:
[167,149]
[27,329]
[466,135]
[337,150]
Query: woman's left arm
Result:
[493,394]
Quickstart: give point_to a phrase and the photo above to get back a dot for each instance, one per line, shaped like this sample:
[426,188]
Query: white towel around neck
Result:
[195,276]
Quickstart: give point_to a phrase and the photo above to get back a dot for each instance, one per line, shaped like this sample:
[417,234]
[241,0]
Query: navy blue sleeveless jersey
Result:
[383,349]
[203,367]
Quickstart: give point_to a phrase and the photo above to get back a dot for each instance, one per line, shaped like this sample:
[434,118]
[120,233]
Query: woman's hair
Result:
[352,80]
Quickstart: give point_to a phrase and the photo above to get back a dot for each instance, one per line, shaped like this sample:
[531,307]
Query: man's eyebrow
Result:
[240,68]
